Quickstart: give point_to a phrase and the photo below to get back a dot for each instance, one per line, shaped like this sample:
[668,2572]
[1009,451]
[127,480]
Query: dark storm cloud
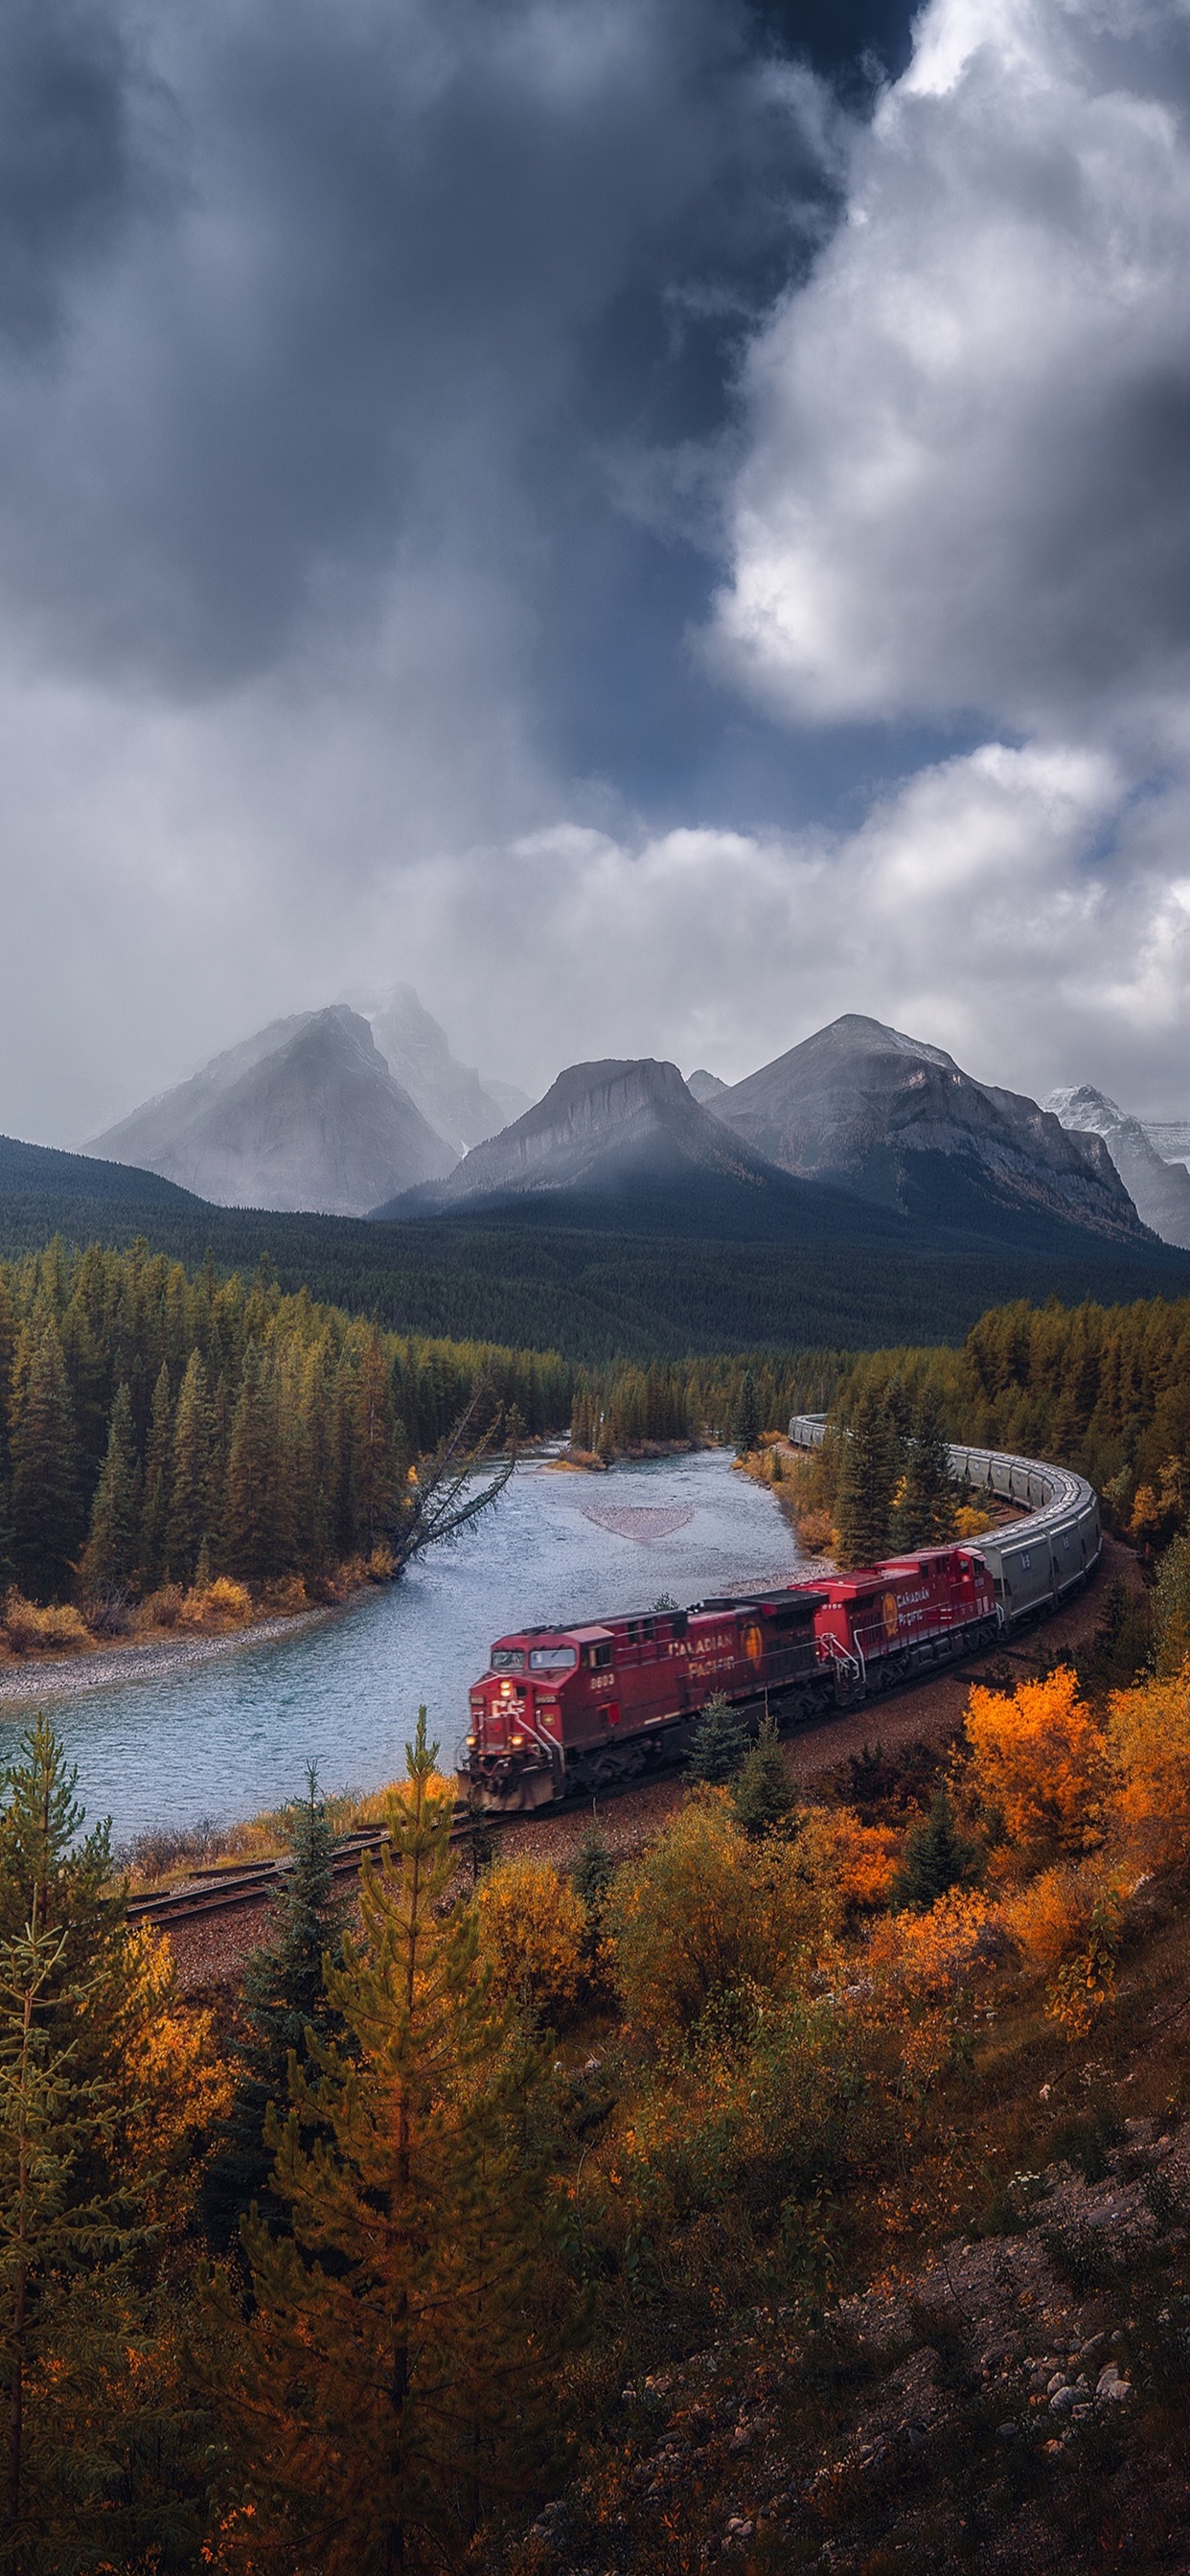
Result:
[424,267]
[78,154]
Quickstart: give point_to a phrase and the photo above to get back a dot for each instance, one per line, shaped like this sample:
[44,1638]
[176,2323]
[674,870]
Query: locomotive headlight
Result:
[516,1739]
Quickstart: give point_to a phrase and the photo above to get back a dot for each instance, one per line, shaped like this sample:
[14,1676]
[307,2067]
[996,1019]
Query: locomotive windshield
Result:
[508,1659]
[552,1659]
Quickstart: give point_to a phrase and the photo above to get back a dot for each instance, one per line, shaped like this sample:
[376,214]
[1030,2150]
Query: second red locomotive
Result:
[566,1709]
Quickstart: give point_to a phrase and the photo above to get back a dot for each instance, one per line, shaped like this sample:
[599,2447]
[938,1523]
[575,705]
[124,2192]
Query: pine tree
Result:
[719,1743]
[928,1501]
[869,1473]
[747,1420]
[591,1871]
[392,2386]
[188,1520]
[763,1799]
[284,1998]
[158,1477]
[936,1858]
[249,1512]
[112,1551]
[377,1463]
[64,2102]
[44,1493]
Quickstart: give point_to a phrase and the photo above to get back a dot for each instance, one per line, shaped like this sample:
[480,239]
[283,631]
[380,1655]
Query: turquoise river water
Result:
[225,1737]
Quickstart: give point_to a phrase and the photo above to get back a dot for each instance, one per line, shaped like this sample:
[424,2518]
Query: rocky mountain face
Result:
[1169,1137]
[1159,1190]
[899,1123]
[306,1114]
[703,1086]
[599,1126]
[458,1105]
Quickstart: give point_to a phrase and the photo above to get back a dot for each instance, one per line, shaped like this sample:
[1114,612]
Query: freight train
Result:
[566,1710]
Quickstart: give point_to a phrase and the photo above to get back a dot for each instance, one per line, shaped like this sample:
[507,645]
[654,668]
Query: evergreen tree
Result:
[66,2199]
[112,1552]
[190,1500]
[719,1743]
[377,1462]
[936,1858]
[747,1420]
[591,1870]
[158,1477]
[393,2381]
[928,1501]
[869,1473]
[763,1798]
[249,1512]
[44,1492]
[284,1998]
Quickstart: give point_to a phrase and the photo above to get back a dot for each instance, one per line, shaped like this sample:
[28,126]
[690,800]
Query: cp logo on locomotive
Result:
[753,1644]
[891,1614]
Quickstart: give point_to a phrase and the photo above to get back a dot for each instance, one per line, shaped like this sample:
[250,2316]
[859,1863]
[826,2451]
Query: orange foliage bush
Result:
[1148,1751]
[933,1956]
[856,1863]
[1037,1762]
[1048,1918]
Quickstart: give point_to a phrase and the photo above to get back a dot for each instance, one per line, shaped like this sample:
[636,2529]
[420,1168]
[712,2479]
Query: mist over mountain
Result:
[897,1122]
[460,1106]
[1159,1190]
[598,1126]
[306,1114]
[1169,1137]
[703,1086]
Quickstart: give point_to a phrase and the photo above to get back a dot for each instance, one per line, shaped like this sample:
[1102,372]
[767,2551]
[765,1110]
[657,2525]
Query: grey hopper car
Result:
[1035,1562]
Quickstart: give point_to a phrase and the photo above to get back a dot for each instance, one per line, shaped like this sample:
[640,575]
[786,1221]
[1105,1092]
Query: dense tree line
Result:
[158,1426]
[1103,1389]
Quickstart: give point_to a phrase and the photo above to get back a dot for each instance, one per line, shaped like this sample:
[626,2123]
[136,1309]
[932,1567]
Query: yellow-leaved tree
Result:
[1037,1765]
[705,1914]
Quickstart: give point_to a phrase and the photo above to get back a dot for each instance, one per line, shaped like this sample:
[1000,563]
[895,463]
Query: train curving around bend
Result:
[566,1710]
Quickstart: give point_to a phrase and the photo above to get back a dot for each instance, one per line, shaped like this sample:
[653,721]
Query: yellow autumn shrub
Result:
[223,1603]
[706,1913]
[30,1628]
[531,1928]
[854,1863]
[1037,1762]
[1148,1753]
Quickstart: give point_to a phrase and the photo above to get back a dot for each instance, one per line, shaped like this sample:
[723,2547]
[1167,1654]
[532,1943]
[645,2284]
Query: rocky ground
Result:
[1018,2403]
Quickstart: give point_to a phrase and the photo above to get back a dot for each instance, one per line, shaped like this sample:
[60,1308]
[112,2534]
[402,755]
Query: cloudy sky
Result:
[652,523]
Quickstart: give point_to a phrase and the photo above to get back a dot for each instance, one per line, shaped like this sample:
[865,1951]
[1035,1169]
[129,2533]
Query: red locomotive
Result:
[566,1709]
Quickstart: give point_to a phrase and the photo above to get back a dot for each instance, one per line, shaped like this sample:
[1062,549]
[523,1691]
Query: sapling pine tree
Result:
[284,1999]
[763,1798]
[719,1743]
[391,2388]
[936,1857]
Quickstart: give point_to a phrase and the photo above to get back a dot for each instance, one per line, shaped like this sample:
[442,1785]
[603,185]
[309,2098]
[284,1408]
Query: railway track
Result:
[258,1882]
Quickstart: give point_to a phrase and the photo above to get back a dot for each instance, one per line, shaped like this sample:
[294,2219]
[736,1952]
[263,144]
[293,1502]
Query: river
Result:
[225,1738]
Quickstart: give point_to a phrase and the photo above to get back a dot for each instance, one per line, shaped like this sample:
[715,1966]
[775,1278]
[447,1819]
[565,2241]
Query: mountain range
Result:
[859,1136]
[1159,1189]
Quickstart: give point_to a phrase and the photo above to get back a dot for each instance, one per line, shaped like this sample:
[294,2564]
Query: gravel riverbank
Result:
[36,1679]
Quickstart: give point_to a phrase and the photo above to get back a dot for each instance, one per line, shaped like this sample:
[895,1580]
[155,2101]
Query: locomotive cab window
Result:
[598,1658]
[508,1659]
[552,1659]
